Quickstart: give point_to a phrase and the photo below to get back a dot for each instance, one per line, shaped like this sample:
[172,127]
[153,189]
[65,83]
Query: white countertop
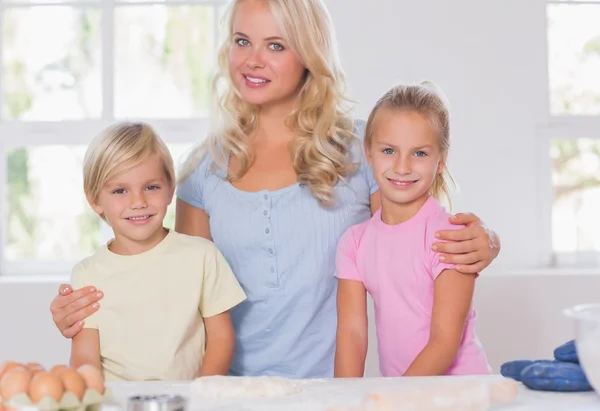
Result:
[318,395]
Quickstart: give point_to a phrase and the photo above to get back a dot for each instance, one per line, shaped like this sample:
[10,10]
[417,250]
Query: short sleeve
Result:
[191,189]
[346,267]
[220,289]
[441,222]
[80,279]
[365,169]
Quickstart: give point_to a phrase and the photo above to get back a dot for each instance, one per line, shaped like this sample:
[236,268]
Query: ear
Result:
[367,149]
[97,209]
[442,164]
[171,194]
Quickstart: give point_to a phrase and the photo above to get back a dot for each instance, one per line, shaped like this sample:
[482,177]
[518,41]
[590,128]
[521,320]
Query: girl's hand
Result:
[70,307]
[472,248]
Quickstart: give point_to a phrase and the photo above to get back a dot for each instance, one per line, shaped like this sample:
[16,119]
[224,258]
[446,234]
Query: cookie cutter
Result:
[157,403]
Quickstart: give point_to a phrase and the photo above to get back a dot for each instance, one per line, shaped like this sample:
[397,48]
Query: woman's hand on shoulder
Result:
[471,248]
[70,307]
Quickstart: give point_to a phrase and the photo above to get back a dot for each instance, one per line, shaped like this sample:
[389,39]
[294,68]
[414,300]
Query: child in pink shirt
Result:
[424,314]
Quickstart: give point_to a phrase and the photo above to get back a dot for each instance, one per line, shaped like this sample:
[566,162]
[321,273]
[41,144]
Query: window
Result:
[69,68]
[573,135]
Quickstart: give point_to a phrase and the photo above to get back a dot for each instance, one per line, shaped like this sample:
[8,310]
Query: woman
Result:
[277,184]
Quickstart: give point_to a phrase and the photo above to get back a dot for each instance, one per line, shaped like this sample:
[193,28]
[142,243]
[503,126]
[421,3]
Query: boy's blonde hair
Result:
[428,100]
[119,148]
[320,120]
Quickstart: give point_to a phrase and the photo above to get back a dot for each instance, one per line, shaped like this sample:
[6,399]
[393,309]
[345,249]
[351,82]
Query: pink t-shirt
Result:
[398,267]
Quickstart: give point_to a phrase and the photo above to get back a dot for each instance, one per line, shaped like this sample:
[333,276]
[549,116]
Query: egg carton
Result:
[91,401]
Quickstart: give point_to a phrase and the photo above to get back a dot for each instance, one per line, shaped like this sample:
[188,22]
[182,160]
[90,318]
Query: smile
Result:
[142,219]
[255,81]
[402,183]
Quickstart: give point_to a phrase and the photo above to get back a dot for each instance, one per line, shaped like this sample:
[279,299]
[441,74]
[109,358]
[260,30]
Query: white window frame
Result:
[78,132]
[566,127]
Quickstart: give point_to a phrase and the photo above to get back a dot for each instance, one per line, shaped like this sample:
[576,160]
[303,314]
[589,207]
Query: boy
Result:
[165,314]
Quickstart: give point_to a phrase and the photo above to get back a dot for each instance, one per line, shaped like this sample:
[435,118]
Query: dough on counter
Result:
[504,390]
[220,386]
[464,396]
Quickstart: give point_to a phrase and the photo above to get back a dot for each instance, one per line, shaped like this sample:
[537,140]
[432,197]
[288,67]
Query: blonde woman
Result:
[275,186]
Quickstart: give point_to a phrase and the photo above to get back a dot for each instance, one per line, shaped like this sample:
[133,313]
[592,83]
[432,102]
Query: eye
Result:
[242,42]
[420,153]
[388,151]
[276,46]
[152,187]
[119,191]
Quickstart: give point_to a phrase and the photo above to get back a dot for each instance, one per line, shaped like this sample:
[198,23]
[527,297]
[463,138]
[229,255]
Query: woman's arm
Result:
[452,298]
[85,349]
[472,248]
[352,329]
[220,344]
[191,220]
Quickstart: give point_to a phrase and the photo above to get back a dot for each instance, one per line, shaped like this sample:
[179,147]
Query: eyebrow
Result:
[237,33]
[383,143]
[123,184]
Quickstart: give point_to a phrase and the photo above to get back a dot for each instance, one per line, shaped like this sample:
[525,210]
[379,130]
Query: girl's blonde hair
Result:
[320,120]
[119,148]
[428,100]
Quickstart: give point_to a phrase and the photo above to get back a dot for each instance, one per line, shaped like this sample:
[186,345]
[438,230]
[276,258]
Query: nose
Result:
[402,165]
[138,201]
[255,59]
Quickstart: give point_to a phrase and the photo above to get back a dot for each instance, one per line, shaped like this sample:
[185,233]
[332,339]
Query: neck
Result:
[124,245]
[393,213]
[271,125]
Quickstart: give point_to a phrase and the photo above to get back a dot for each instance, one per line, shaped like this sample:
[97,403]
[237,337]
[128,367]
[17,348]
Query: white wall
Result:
[489,59]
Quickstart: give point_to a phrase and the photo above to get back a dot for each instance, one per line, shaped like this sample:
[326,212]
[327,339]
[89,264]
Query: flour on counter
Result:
[243,387]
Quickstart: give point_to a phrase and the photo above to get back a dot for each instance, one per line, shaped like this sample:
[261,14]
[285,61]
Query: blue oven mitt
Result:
[567,352]
[555,376]
[513,369]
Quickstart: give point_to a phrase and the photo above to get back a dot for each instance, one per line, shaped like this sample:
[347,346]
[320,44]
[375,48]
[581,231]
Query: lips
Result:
[255,81]
[139,220]
[402,183]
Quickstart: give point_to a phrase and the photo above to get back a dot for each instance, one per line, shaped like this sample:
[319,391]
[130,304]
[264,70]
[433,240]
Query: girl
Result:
[423,306]
[276,185]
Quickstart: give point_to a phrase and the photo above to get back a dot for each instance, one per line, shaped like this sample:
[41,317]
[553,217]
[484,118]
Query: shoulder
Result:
[199,163]
[85,268]
[439,219]
[192,244]
[359,127]
[352,237]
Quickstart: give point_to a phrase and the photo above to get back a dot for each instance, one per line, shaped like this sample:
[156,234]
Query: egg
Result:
[45,384]
[15,381]
[6,366]
[35,367]
[58,368]
[93,377]
[72,381]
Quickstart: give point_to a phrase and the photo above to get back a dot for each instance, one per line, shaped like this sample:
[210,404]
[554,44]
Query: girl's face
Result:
[405,156]
[263,67]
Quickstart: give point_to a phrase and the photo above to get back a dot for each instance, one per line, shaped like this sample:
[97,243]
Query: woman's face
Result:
[262,65]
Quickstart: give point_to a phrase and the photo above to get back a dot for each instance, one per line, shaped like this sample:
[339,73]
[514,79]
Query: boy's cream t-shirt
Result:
[150,320]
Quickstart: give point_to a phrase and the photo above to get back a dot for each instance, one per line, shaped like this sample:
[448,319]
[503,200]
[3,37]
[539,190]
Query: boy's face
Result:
[135,203]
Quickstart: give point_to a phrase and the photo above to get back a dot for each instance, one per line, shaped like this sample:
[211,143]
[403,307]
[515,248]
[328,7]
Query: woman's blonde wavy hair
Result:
[428,100]
[321,122]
